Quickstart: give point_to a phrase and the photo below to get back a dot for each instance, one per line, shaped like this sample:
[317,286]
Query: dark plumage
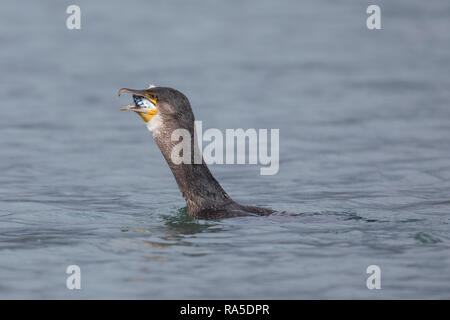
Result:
[205,198]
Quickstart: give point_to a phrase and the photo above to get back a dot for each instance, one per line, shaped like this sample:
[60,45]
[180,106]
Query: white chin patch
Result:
[154,124]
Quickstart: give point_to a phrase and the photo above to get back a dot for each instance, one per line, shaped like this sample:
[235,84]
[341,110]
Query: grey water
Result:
[364,119]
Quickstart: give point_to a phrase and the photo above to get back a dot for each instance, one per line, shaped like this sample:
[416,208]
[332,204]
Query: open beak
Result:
[144,105]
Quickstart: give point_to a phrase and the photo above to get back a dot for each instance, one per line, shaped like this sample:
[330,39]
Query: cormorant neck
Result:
[196,183]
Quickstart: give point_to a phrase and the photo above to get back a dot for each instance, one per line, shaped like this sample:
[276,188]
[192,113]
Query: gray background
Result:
[364,120]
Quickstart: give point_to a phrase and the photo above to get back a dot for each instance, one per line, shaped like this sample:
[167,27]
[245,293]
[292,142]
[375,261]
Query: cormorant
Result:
[164,110]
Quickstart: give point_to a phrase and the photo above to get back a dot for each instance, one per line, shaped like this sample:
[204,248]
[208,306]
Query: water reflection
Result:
[182,224]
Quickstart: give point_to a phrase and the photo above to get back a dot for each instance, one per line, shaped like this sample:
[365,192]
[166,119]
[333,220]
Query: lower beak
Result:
[131,108]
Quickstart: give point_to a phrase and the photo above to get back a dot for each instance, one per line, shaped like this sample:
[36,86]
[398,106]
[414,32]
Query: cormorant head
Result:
[160,105]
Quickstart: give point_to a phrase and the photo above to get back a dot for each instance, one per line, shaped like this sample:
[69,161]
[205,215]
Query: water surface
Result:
[364,120]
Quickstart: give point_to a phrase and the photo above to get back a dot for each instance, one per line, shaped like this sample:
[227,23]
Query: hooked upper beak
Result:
[132,91]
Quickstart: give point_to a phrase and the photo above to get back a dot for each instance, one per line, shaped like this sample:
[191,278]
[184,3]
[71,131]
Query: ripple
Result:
[426,238]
